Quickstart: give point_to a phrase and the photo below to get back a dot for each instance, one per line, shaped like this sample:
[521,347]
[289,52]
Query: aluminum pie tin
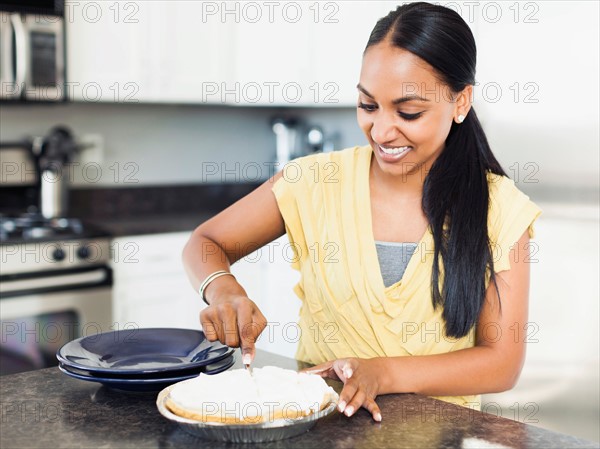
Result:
[244,433]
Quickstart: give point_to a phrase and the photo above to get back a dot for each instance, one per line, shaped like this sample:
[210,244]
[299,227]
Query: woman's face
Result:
[404,110]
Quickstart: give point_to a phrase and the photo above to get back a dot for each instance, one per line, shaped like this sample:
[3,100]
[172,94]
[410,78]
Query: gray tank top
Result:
[393,259]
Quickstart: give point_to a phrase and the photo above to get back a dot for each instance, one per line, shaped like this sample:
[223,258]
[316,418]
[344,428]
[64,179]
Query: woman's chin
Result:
[401,169]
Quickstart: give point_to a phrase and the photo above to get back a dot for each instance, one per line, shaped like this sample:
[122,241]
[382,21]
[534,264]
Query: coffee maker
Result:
[295,138]
[54,153]
[35,174]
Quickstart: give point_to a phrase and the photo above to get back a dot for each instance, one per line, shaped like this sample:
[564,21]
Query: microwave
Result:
[32,57]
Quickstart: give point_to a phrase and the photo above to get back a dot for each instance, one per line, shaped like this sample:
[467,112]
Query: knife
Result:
[246,360]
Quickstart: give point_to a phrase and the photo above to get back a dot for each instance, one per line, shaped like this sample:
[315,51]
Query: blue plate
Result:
[148,376]
[142,351]
[142,384]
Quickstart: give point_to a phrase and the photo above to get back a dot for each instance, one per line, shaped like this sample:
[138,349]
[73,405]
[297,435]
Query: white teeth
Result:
[397,150]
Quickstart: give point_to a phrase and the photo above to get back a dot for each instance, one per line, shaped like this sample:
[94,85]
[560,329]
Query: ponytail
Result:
[455,202]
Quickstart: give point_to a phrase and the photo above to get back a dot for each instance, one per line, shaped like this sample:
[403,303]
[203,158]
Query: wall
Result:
[538,87]
[169,143]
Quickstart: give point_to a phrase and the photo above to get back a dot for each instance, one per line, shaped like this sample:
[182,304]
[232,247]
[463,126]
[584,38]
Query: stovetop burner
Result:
[34,227]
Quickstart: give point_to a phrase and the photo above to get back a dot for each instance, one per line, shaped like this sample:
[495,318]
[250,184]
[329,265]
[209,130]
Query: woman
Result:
[412,250]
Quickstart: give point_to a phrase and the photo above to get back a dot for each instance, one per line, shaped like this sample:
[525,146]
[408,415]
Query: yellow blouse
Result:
[346,309]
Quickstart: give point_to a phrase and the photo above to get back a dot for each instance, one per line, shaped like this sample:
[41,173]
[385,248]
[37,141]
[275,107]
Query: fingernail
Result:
[349,410]
[348,373]
[341,406]
[377,417]
[246,359]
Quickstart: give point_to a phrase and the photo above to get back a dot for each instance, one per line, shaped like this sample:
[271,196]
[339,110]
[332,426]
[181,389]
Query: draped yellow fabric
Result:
[346,309]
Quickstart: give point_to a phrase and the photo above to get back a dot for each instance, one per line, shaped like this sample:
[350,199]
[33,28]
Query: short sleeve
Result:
[511,212]
[287,191]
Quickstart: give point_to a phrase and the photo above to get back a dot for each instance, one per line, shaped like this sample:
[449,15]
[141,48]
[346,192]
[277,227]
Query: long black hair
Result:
[455,192]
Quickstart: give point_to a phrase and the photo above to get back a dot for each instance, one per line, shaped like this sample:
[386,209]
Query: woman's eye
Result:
[367,107]
[406,116]
[372,107]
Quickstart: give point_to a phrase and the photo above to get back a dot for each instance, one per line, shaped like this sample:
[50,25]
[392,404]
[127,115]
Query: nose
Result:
[384,129]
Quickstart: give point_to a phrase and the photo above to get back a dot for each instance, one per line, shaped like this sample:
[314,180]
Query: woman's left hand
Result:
[361,379]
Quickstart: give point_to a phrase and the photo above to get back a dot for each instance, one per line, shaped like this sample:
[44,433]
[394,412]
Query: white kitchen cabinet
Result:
[152,290]
[105,54]
[268,278]
[144,51]
[191,51]
[150,285]
[310,55]
[235,53]
[337,48]
[270,63]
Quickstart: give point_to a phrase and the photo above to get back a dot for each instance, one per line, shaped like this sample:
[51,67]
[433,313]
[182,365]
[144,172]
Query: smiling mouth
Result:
[393,151]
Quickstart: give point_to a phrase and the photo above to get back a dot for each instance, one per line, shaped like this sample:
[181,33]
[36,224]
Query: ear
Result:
[463,102]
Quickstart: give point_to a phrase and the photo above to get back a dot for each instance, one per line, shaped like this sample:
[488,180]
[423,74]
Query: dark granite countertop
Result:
[46,409]
[138,210]
[152,224]
[153,209]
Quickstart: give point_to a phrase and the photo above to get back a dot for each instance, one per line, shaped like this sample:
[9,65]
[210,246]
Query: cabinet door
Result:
[270,64]
[281,306]
[144,51]
[309,55]
[106,53]
[150,285]
[147,256]
[166,301]
[191,54]
[338,39]
[268,278]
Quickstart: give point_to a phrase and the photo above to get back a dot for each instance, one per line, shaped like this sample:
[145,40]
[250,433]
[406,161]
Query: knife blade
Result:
[246,360]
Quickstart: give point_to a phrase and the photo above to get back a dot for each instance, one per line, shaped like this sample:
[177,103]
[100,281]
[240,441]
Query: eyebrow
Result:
[397,100]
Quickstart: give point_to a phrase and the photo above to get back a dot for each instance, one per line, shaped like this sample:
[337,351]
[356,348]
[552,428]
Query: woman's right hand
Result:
[234,320]
[218,243]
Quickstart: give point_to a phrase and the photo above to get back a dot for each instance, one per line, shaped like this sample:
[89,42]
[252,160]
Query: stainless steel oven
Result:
[51,292]
[55,277]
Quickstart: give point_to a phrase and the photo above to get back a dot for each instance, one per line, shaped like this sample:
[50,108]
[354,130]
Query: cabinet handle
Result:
[21,56]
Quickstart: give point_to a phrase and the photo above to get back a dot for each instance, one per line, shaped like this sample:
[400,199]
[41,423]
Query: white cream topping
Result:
[236,394]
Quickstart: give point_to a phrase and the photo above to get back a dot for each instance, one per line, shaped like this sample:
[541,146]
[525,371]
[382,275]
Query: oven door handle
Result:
[55,282]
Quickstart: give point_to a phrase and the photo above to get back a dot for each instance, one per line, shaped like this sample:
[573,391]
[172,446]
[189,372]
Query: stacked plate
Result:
[143,359]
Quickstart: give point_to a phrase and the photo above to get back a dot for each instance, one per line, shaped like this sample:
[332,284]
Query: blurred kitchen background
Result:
[123,125]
